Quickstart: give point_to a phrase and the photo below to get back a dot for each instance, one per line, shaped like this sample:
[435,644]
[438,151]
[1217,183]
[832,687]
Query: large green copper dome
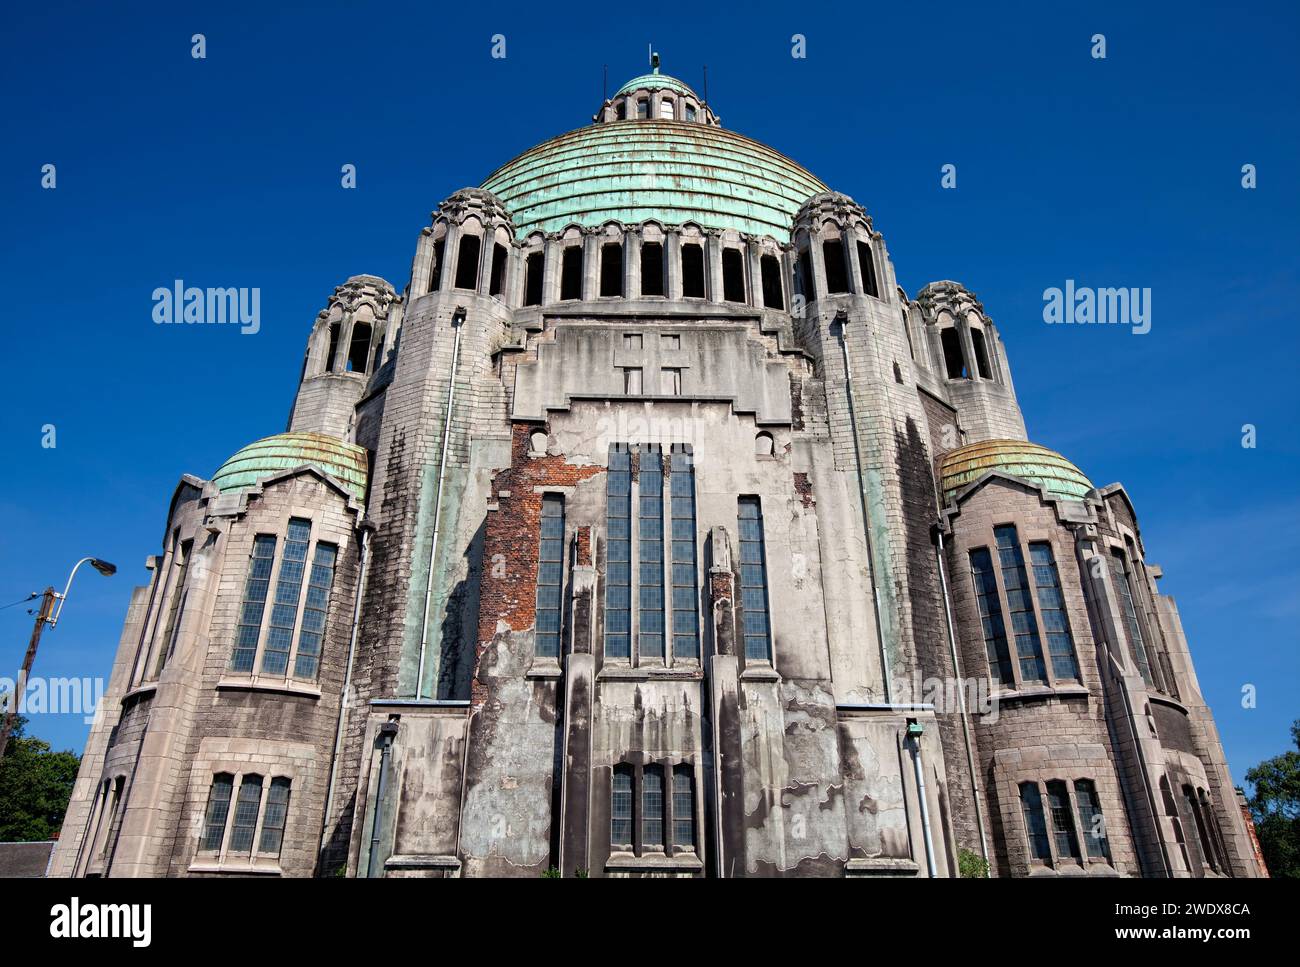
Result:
[345,462]
[672,171]
[1016,458]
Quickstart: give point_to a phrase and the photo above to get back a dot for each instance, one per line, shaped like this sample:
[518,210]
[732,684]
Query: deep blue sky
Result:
[225,172]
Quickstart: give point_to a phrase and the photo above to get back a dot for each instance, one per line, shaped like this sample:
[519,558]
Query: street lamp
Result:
[47,613]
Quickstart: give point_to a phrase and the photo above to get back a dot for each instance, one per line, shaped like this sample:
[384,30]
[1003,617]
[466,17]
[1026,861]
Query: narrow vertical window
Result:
[643,107]
[359,348]
[670,382]
[990,606]
[1096,843]
[214,820]
[618,547]
[1212,825]
[1051,606]
[620,111]
[773,293]
[620,808]
[652,809]
[288,590]
[681,483]
[753,580]
[254,603]
[277,810]
[611,269]
[804,273]
[1120,574]
[550,576]
[247,807]
[335,330]
[733,275]
[1031,806]
[467,262]
[1015,581]
[690,112]
[837,275]
[533,275]
[181,561]
[1067,842]
[692,270]
[435,266]
[651,539]
[314,612]
[683,807]
[1202,833]
[632,384]
[497,283]
[667,109]
[954,360]
[571,273]
[981,353]
[867,266]
[652,268]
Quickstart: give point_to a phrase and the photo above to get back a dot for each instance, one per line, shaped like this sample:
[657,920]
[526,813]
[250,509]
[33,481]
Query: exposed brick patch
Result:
[803,487]
[582,548]
[508,593]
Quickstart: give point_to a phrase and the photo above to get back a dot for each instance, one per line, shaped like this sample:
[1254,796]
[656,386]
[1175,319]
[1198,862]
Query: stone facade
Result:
[660,568]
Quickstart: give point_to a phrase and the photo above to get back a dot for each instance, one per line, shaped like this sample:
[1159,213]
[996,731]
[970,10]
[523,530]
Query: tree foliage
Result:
[1275,807]
[35,786]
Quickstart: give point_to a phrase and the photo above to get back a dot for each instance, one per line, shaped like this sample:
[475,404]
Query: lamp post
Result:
[46,614]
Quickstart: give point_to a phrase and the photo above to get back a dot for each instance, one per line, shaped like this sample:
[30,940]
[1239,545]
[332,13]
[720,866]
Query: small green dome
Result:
[1017,458]
[672,171]
[656,82]
[345,462]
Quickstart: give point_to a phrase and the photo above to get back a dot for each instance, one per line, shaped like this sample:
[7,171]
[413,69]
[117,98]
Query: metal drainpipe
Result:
[961,699]
[866,515]
[386,731]
[347,684]
[457,323]
[914,731]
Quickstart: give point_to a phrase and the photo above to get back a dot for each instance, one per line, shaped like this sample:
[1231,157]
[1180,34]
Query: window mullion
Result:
[1032,591]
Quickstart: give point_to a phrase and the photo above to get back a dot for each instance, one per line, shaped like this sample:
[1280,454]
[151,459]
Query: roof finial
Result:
[654,61]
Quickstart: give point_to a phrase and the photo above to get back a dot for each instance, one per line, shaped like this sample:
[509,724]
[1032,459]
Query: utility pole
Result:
[11,713]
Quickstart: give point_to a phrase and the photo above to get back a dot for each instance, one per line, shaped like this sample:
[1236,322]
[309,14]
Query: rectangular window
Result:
[1120,574]
[533,277]
[611,269]
[837,272]
[1051,606]
[1015,582]
[670,382]
[214,821]
[435,271]
[804,273]
[550,576]
[314,612]
[277,810]
[618,546]
[666,109]
[467,262]
[692,270]
[288,591]
[954,360]
[1094,826]
[254,603]
[753,580]
[620,808]
[652,268]
[247,807]
[571,273]
[1058,797]
[773,293]
[867,266]
[632,381]
[683,807]
[181,561]
[733,275]
[643,107]
[652,808]
[1031,805]
[670,342]
[632,340]
[681,484]
[1202,834]
[981,354]
[651,539]
[690,112]
[498,282]
[995,632]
